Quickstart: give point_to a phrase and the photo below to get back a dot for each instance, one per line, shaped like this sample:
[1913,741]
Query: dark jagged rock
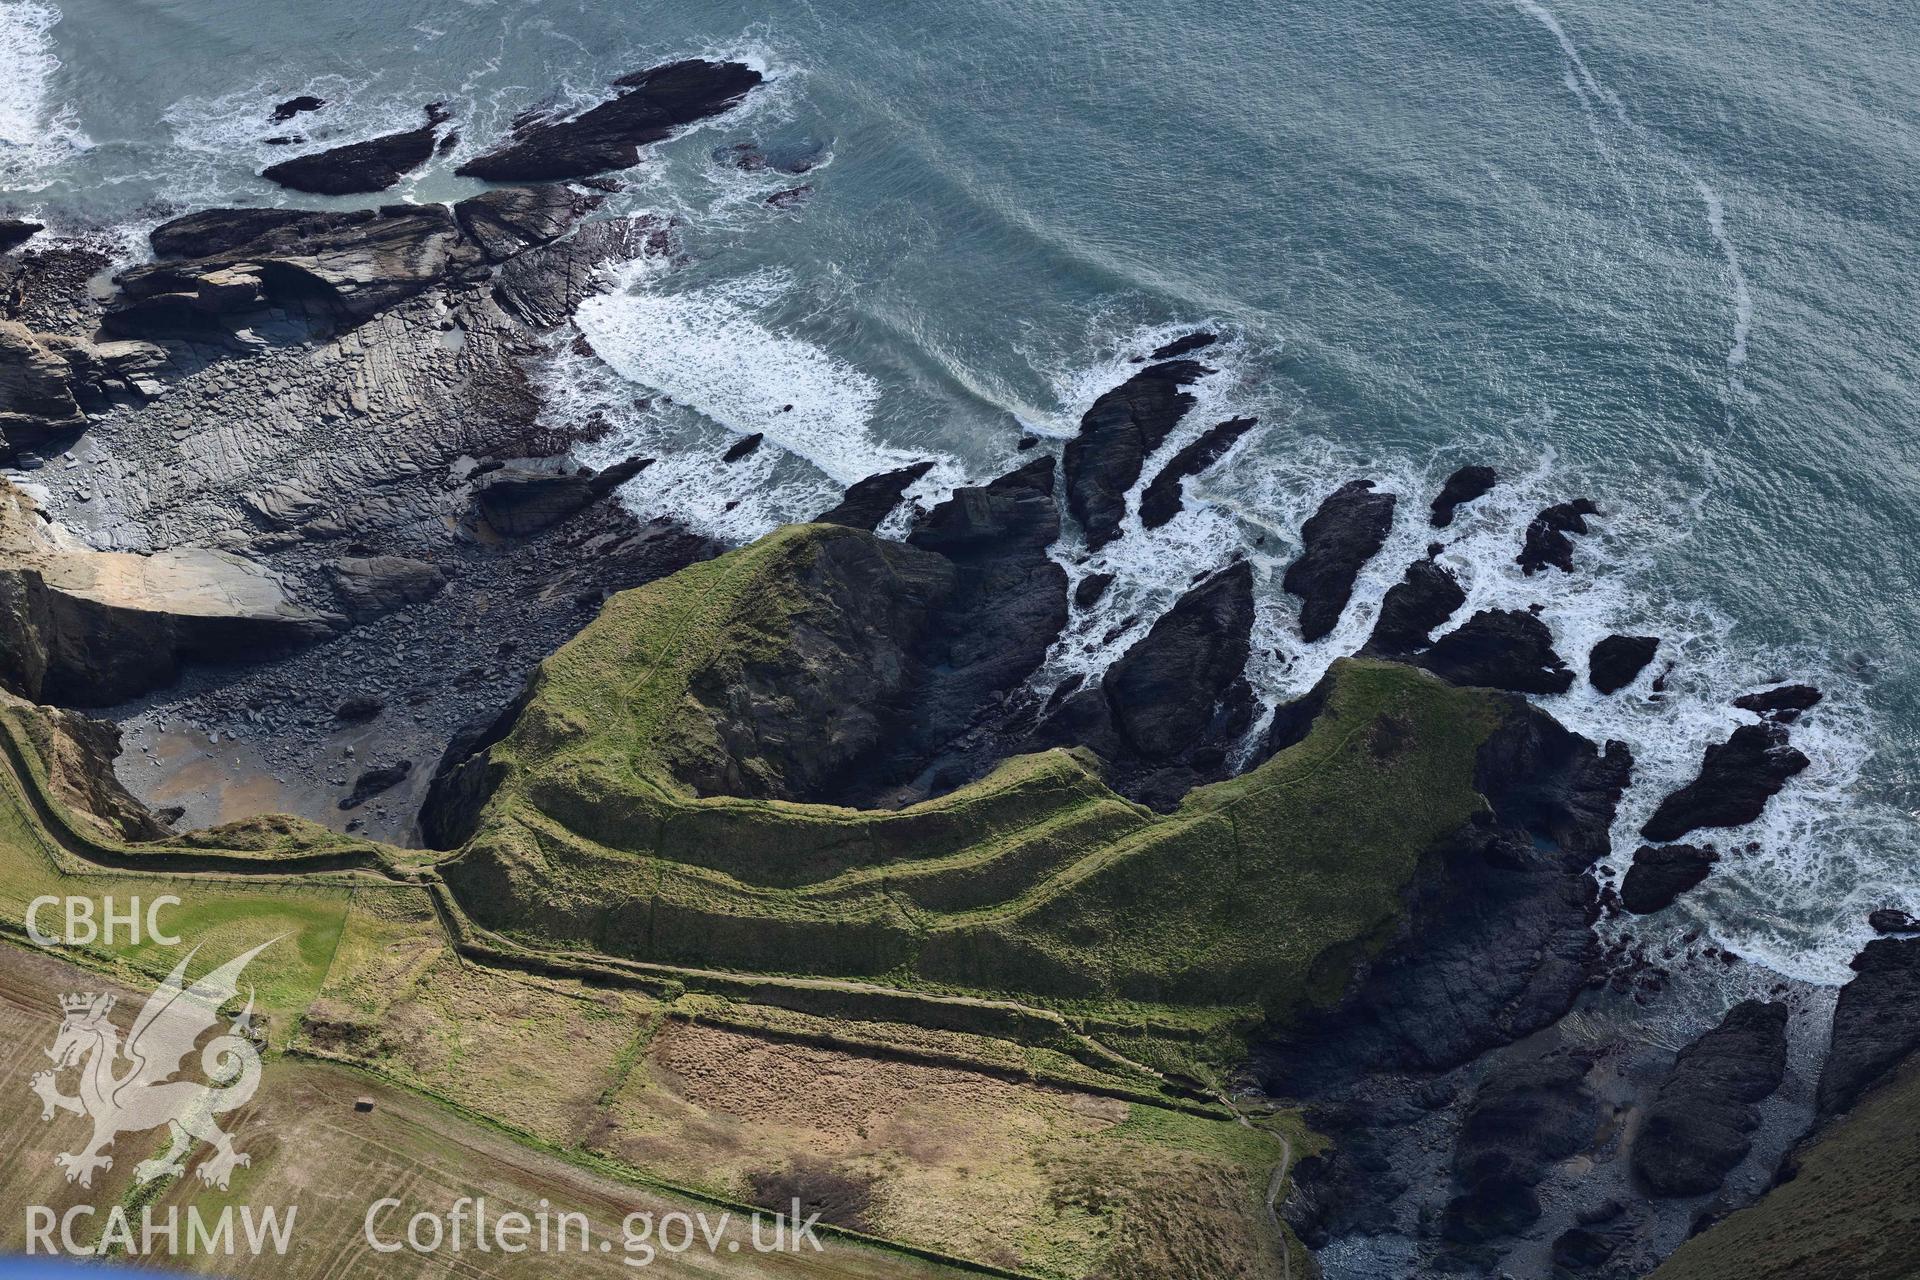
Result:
[867,502]
[15,232]
[1463,486]
[1162,500]
[1500,649]
[345,267]
[655,103]
[465,777]
[1783,705]
[525,497]
[358,167]
[1496,940]
[370,586]
[285,111]
[359,710]
[1618,660]
[1117,435]
[1184,346]
[1701,1120]
[1520,1121]
[791,198]
[375,781]
[1091,589]
[1337,541]
[742,447]
[794,157]
[508,220]
[1547,542]
[1426,597]
[214,231]
[1737,778]
[1876,1022]
[545,285]
[1170,690]
[1661,873]
[1892,920]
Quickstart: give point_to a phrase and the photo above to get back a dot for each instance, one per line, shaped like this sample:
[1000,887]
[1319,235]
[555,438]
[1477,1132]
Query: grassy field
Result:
[1036,881]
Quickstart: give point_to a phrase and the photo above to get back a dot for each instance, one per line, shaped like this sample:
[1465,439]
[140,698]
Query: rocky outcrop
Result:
[1701,1120]
[360,167]
[867,502]
[524,497]
[652,104]
[1519,1123]
[1782,705]
[509,220]
[1618,660]
[299,104]
[1548,544]
[545,285]
[1876,1023]
[15,232]
[1462,487]
[1423,599]
[1163,498]
[1500,649]
[1117,435]
[1336,542]
[1179,684]
[38,376]
[1892,920]
[77,753]
[372,586]
[91,628]
[1737,778]
[1661,873]
[242,266]
[743,447]
[1183,346]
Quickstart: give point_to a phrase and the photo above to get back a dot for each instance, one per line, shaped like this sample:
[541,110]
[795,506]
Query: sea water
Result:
[1659,252]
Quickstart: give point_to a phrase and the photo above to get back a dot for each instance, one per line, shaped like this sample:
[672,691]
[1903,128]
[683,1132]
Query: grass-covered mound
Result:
[1038,879]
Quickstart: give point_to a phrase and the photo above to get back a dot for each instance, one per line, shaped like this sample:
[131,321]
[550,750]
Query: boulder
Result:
[525,497]
[1737,778]
[743,447]
[1091,590]
[652,105]
[15,232]
[1876,1023]
[1700,1122]
[1783,705]
[1548,543]
[40,380]
[505,221]
[1185,346]
[1661,873]
[1337,541]
[1500,649]
[1892,920]
[1117,435]
[359,167]
[1423,599]
[867,502]
[1163,498]
[1617,660]
[371,586]
[375,781]
[545,285]
[1462,487]
[297,105]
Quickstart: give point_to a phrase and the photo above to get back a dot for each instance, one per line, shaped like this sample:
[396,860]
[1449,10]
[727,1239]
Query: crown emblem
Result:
[85,1002]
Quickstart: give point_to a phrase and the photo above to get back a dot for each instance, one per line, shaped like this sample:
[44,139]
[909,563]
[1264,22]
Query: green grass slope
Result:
[1037,879]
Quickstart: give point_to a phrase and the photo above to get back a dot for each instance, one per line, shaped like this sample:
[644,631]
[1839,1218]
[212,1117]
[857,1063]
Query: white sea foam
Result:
[1823,853]
[35,134]
[711,349]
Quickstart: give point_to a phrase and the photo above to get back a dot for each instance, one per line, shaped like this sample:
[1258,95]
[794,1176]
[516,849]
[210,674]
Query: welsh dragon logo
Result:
[142,1096]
